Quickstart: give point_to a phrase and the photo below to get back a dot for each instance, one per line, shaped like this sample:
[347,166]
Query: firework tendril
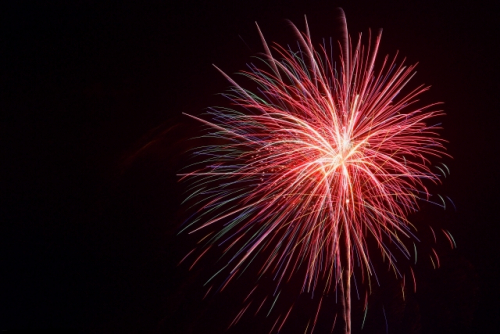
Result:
[316,160]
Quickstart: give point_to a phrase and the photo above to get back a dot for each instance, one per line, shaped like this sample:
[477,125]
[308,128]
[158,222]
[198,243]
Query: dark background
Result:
[90,98]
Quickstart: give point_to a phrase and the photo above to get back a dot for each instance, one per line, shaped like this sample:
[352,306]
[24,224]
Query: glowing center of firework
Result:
[339,154]
[345,149]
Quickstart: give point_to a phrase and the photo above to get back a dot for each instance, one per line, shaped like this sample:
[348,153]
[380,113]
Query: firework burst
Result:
[319,158]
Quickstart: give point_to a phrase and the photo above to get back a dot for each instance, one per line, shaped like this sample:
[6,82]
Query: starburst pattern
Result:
[312,163]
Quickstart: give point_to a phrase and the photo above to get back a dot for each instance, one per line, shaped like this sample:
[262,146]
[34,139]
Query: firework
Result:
[320,157]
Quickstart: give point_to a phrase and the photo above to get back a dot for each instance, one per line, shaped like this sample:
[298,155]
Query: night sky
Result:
[92,138]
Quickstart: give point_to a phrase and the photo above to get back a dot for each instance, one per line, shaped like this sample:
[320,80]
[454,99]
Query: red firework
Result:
[314,162]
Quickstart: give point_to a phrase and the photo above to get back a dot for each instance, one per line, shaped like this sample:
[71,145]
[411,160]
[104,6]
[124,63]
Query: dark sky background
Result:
[92,135]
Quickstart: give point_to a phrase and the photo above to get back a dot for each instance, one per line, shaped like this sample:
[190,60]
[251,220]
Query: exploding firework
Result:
[316,161]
